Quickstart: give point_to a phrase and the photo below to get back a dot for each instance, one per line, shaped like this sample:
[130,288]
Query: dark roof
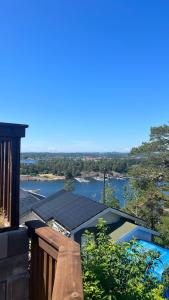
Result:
[68,209]
[29,216]
[27,201]
[36,195]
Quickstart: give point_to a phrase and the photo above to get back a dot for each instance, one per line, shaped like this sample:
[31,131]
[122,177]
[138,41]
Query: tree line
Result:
[64,166]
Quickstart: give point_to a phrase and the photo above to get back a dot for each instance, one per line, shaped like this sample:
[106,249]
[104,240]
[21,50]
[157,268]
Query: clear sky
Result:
[86,75]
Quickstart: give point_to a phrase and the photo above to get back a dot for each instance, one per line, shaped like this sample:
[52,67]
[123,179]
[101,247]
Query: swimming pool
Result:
[161,264]
[164,257]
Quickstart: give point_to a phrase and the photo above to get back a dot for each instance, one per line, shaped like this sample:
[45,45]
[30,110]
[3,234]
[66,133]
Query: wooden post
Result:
[55,272]
[10,136]
[104,184]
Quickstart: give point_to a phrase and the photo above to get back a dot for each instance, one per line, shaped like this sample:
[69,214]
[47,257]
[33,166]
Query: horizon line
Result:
[76,152]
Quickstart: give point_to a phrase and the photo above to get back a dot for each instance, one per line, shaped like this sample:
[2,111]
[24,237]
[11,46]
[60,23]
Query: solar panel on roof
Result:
[69,209]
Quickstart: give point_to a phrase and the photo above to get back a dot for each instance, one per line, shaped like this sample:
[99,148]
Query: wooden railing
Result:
[55,265]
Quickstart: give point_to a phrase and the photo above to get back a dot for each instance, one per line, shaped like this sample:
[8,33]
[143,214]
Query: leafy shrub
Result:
[118,271]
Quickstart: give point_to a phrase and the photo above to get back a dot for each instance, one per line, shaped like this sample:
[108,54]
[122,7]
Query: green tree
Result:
[68,185]
[146,201]
[149,198]
[118,271]
[69,182]
[110,198]
[163,228]
[159,141]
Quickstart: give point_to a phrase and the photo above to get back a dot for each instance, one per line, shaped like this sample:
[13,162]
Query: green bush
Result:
[118,271]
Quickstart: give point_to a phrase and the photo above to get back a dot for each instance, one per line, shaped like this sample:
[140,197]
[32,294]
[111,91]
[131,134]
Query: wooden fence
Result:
[55,265]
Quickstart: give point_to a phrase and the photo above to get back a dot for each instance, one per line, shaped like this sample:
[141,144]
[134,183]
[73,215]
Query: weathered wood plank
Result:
[62,274]
[54,238]
[45,273]
[50,286]
[48,249]
[68,277]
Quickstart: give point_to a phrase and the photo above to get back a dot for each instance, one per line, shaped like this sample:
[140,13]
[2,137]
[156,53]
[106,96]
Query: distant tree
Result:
[68,175]
[74,165]
[110,198]
[68,182]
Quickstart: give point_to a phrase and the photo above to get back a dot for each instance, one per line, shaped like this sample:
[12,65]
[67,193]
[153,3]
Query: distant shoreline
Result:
[41,178]
[51,177]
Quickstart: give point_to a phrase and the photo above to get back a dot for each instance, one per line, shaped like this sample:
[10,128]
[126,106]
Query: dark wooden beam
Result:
[15,186]
[12,130]
[10,139]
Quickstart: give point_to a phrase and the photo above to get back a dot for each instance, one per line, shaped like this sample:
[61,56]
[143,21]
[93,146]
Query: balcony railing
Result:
[55,263]
[55,267]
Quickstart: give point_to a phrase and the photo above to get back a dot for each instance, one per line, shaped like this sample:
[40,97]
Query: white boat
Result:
[82,180]
[98,178]
[109,177]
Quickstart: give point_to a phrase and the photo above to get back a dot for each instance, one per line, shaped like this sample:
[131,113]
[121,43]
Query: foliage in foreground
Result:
[117,271]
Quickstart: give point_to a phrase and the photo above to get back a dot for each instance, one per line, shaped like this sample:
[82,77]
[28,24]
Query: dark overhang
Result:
[12,130]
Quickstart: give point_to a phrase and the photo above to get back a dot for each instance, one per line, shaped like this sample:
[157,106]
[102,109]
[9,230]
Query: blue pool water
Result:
[161,264]
[164,257]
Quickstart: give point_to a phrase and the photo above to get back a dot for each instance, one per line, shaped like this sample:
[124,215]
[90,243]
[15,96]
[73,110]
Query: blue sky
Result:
[85,75]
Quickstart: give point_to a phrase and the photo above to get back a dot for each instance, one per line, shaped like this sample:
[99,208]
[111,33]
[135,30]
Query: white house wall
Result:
[109,217]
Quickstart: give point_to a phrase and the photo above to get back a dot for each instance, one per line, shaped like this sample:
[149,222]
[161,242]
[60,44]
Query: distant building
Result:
[72,214]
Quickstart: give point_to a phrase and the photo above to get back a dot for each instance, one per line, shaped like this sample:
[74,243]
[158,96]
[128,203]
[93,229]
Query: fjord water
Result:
[92,189]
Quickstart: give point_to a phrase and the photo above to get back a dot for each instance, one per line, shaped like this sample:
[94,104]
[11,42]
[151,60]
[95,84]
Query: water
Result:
[92,189]
[162,263]
[28,161]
